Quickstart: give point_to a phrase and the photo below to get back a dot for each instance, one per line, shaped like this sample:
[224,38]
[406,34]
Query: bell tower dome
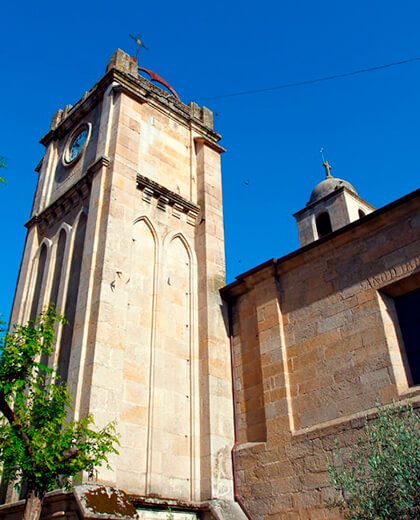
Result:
[333,204]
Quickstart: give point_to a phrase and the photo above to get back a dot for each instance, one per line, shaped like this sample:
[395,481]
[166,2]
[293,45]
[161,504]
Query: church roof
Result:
[228,291]
[329,185]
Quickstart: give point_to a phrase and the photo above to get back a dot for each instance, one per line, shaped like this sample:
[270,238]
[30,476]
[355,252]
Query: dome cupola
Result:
[329,185]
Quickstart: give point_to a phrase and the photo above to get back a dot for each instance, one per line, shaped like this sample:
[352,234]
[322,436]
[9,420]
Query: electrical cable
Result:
[311,81]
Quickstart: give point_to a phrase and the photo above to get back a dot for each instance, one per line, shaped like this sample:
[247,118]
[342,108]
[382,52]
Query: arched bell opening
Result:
[323,224]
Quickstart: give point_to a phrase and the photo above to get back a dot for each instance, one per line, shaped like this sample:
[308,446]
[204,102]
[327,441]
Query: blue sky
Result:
[52,52]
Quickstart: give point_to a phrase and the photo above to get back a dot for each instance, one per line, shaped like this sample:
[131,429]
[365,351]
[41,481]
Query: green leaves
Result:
[380,479]
[21,350]
[39,444]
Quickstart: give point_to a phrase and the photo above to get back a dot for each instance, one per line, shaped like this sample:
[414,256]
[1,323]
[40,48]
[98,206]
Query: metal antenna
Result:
[137,39]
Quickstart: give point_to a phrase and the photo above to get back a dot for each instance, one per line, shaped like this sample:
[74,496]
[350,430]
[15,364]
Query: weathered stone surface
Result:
[104,502]
[316,345]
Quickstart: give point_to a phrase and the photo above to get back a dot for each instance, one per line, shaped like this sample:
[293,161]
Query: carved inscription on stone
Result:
[392,273]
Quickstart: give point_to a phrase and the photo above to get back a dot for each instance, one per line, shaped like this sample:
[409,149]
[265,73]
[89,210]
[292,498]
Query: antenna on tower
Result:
[137,39]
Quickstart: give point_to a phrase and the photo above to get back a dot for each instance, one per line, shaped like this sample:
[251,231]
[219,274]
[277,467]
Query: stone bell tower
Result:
[126,238]
[333,204]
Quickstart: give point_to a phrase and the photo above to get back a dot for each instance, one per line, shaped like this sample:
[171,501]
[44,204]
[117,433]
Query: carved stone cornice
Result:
[210,144]
[167,199]
[70,199]
[102,162]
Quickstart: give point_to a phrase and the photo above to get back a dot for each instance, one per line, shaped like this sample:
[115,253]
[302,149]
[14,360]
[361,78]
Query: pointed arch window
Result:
[59,258]
[38,282]
[71,298]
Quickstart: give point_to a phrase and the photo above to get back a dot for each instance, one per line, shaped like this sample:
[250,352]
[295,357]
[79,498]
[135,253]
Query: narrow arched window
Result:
[323,224]
[71,299]
[59,258]
[361,213]
[38,282]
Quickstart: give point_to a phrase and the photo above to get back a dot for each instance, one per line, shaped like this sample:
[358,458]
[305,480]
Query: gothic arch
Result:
[75,258]
[84,211]
[170,237]
[149,224]
[39,277]
[56,271]
[141,323]
[58,284]
[177,363]
[153,232]
[61,246]
[151,229]
[45,241]
[48,244]
[64,227]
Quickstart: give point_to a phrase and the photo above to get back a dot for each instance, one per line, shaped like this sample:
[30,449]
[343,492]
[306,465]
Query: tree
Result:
[381,477]
[39,446]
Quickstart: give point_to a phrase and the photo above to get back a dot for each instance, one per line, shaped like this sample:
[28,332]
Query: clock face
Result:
[77,145]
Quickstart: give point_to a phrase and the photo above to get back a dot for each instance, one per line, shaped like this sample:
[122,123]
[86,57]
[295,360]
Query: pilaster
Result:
[215,370]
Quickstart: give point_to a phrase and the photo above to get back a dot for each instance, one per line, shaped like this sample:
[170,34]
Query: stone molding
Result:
[70,199]
[210,144]
[167,199]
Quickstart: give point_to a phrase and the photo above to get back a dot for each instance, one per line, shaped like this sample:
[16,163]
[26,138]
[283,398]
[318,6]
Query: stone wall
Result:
[315,331]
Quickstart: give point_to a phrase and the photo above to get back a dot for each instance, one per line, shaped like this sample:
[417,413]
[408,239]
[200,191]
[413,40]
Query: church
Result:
[228,399]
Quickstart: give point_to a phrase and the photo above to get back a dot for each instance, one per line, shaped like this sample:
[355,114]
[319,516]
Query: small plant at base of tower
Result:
[380,479]
[39,447]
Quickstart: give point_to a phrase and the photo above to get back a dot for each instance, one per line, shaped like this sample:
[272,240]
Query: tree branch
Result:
[6,410]
[14,422]
[69,454]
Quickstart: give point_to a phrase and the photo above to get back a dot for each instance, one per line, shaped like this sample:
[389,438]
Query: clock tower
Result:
[126,239]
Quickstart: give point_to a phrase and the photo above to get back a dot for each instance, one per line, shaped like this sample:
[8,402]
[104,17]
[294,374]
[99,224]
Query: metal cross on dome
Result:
[327,167]
[137,39]
[326,164]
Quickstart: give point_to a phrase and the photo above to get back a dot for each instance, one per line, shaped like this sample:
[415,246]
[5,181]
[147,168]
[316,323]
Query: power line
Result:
[311,81]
